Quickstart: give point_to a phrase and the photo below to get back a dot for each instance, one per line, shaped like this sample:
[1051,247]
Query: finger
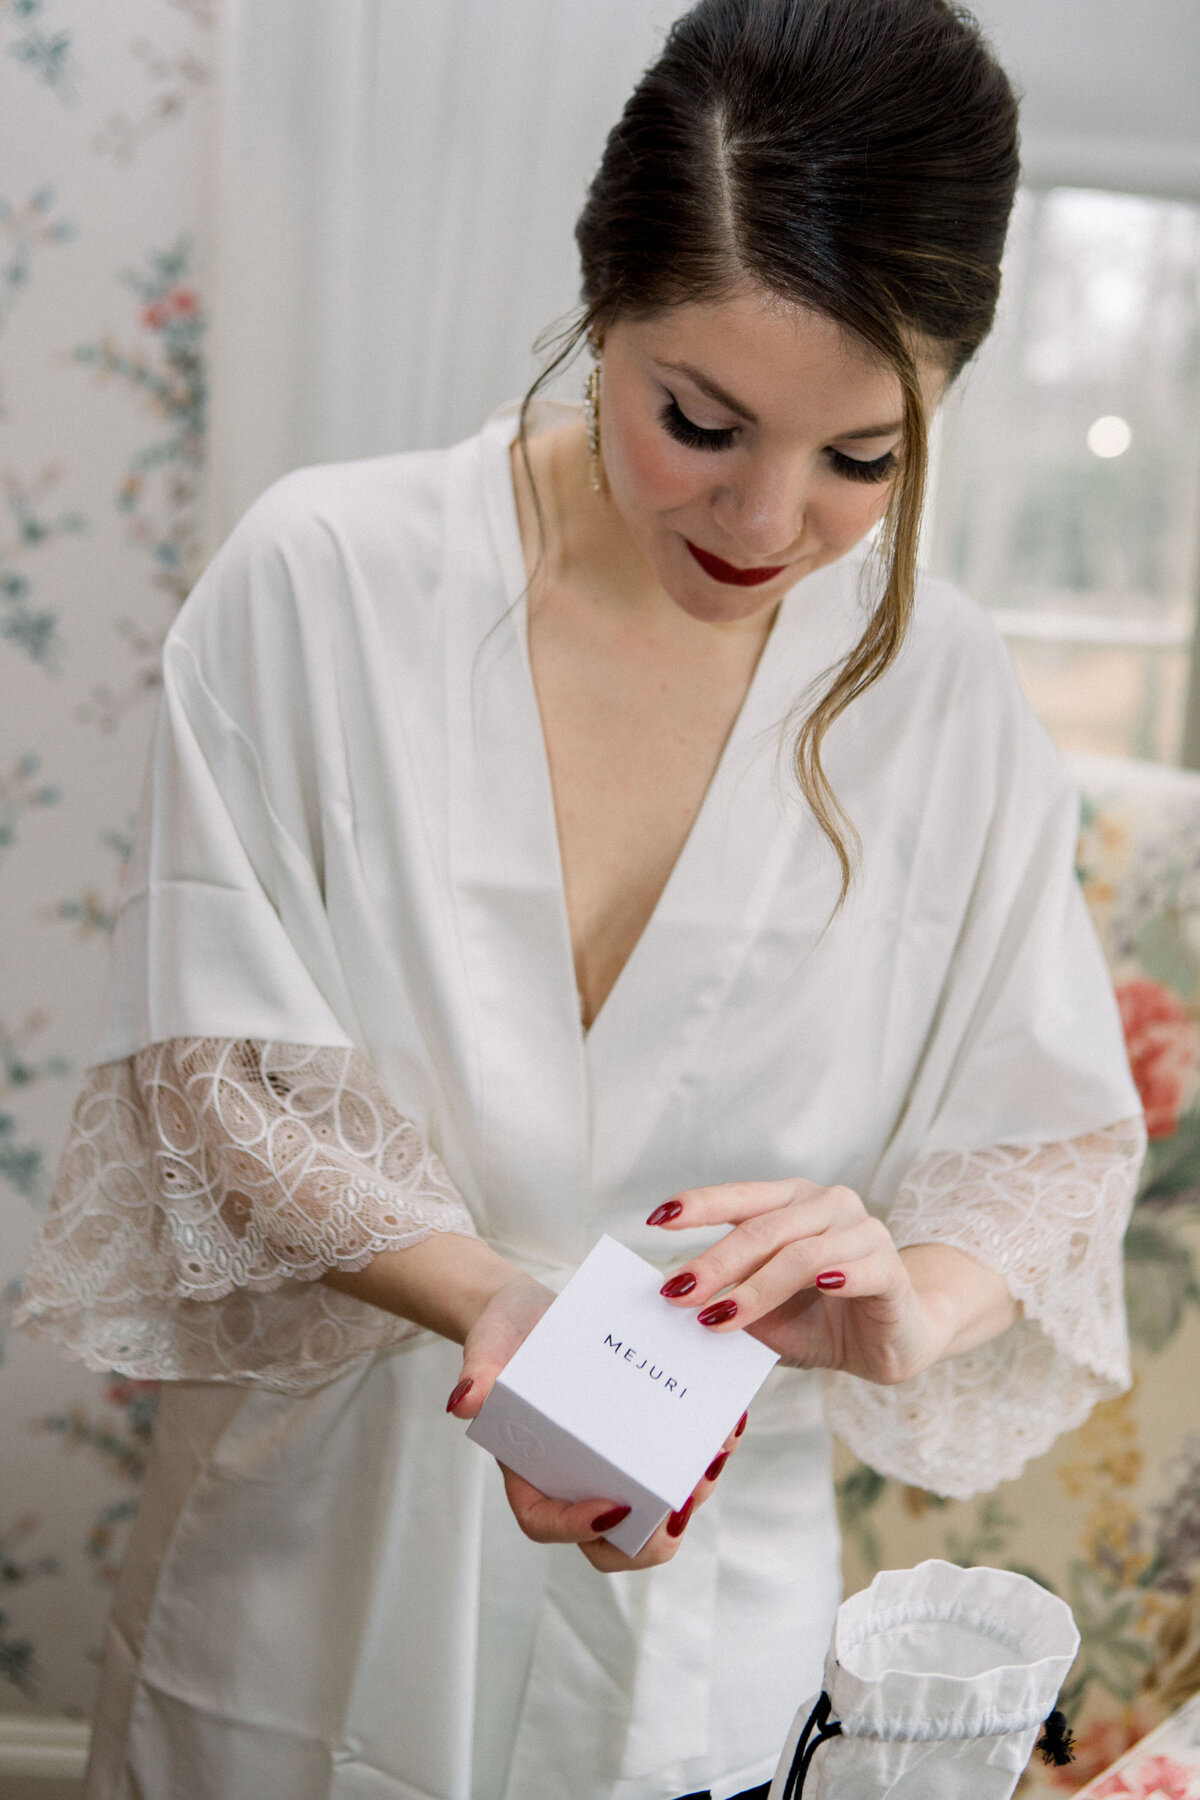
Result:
[609,1561]
[863,1255]
[481,1365]
[659,1548]
[744,1249]
[727,1204]
[548,1521]
[665,1542]
[491,1342]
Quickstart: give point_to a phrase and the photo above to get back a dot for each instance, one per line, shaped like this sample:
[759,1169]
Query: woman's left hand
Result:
[810,1272]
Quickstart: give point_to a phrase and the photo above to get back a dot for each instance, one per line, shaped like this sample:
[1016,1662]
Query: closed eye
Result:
[878,469]
[696,437]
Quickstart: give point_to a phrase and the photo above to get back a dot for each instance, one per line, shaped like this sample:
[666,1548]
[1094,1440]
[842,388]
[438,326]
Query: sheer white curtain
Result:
[396,187]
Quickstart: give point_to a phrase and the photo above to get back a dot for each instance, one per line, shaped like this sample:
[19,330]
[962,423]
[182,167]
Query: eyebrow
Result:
[718,393]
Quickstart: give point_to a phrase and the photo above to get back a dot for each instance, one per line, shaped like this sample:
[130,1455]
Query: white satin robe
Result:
[348,837]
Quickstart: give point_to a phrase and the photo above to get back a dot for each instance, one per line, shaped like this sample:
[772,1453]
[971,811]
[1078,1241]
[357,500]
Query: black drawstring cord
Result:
[1056,1744]
[825,1728]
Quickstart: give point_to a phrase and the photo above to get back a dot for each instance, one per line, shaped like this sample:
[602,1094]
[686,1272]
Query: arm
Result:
[442,1284]
[967,1303]
[982,1322]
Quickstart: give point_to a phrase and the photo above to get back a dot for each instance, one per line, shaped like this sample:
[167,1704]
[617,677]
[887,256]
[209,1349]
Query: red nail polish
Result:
[677,1523]
[460,1393]
[678,1286]
[832,1278]
[719,1313]
[662,1215]
[607,1520]
[714,1468]
[741,1424]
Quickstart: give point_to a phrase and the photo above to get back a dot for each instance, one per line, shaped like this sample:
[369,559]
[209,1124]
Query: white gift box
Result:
[618,1395]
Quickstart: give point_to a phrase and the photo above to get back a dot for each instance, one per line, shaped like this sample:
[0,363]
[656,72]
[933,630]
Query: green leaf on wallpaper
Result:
[1160,1283]
[1031,1574]
[859,1491]
[1164,954]
[1173,1163]
[993,1526]
[1109,1653]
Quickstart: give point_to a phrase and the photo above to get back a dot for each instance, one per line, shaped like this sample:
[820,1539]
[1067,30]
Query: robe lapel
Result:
[531,1125]
[714,904]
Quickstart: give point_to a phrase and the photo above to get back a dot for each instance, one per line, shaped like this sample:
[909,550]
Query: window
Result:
[1067,470]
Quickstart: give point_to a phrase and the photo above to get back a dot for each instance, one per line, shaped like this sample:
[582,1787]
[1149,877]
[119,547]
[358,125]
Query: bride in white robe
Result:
[344,1014]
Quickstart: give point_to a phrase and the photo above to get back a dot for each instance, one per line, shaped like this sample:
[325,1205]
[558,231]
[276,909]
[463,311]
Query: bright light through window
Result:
[1067,494]
[1109,436]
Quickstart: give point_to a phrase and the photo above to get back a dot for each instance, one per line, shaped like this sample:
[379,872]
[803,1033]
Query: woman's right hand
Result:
[504,1324]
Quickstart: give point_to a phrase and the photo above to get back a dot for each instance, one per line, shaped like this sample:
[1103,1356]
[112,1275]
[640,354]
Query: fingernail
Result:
[460,1393]
[677,1523]
[607,1520]
[719,1313]
[832,1278]
[662,1215]
[714,1468]
[677,1286]
[741,1424]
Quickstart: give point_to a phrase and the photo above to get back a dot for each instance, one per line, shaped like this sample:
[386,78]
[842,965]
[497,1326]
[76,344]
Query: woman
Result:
[475,913]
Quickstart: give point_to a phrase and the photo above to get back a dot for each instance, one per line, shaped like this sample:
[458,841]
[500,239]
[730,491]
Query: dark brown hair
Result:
[854,156]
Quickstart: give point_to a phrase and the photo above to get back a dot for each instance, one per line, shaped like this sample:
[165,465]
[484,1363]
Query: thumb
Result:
[472,1388]
[497,1333]
[484,1355]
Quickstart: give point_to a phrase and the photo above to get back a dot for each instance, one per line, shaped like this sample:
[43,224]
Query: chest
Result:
[634,729]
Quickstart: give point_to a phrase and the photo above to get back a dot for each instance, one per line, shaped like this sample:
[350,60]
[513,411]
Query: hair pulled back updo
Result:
[858,157]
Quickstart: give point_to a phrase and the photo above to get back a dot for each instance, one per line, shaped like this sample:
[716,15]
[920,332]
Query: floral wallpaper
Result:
[104,122]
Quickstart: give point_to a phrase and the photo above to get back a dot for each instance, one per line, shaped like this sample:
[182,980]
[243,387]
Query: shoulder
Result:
[307,517]
[319,553]
[953,638]
[952,712]
[957,657]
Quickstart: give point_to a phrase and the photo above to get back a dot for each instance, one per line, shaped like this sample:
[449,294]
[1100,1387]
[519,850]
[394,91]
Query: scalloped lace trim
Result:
[1049,1218]
[205,1186]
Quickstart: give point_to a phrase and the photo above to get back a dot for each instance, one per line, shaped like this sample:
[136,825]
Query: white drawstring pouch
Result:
[937,1683]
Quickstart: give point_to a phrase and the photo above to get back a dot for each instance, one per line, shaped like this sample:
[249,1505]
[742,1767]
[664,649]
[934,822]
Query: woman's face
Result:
[746,442]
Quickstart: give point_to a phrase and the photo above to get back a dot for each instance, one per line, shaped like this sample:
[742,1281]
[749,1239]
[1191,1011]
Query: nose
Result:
[763,513]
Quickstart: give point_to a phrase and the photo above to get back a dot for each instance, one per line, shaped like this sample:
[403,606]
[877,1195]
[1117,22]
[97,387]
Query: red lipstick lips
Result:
[723,571]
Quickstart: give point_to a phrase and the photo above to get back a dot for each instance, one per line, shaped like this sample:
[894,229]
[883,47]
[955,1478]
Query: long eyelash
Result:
[877,470]
[680,427]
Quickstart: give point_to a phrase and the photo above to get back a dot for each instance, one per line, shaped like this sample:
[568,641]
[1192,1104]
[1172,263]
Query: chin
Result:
[725,606]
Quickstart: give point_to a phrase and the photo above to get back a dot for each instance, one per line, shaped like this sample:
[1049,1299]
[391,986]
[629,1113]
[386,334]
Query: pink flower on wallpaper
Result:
[1151,1778]
[123,1390]
[1164,1049]
[181,303]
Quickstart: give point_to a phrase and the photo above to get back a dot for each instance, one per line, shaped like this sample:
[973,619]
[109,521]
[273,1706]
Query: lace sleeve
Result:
[205,1185]
[1050,1219]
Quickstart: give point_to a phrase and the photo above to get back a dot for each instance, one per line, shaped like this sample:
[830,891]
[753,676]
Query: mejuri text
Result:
[630,1356]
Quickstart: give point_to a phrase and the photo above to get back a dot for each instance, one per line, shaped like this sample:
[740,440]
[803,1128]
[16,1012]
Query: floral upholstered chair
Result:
[1110,1517]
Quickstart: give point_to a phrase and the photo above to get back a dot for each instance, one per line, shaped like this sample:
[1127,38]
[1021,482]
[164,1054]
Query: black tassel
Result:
[1057,1742]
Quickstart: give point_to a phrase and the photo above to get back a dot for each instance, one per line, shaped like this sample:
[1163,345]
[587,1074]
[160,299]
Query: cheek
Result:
[850,509]
[646,470]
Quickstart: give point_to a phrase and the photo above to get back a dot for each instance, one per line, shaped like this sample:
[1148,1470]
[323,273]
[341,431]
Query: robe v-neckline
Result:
[713,902]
